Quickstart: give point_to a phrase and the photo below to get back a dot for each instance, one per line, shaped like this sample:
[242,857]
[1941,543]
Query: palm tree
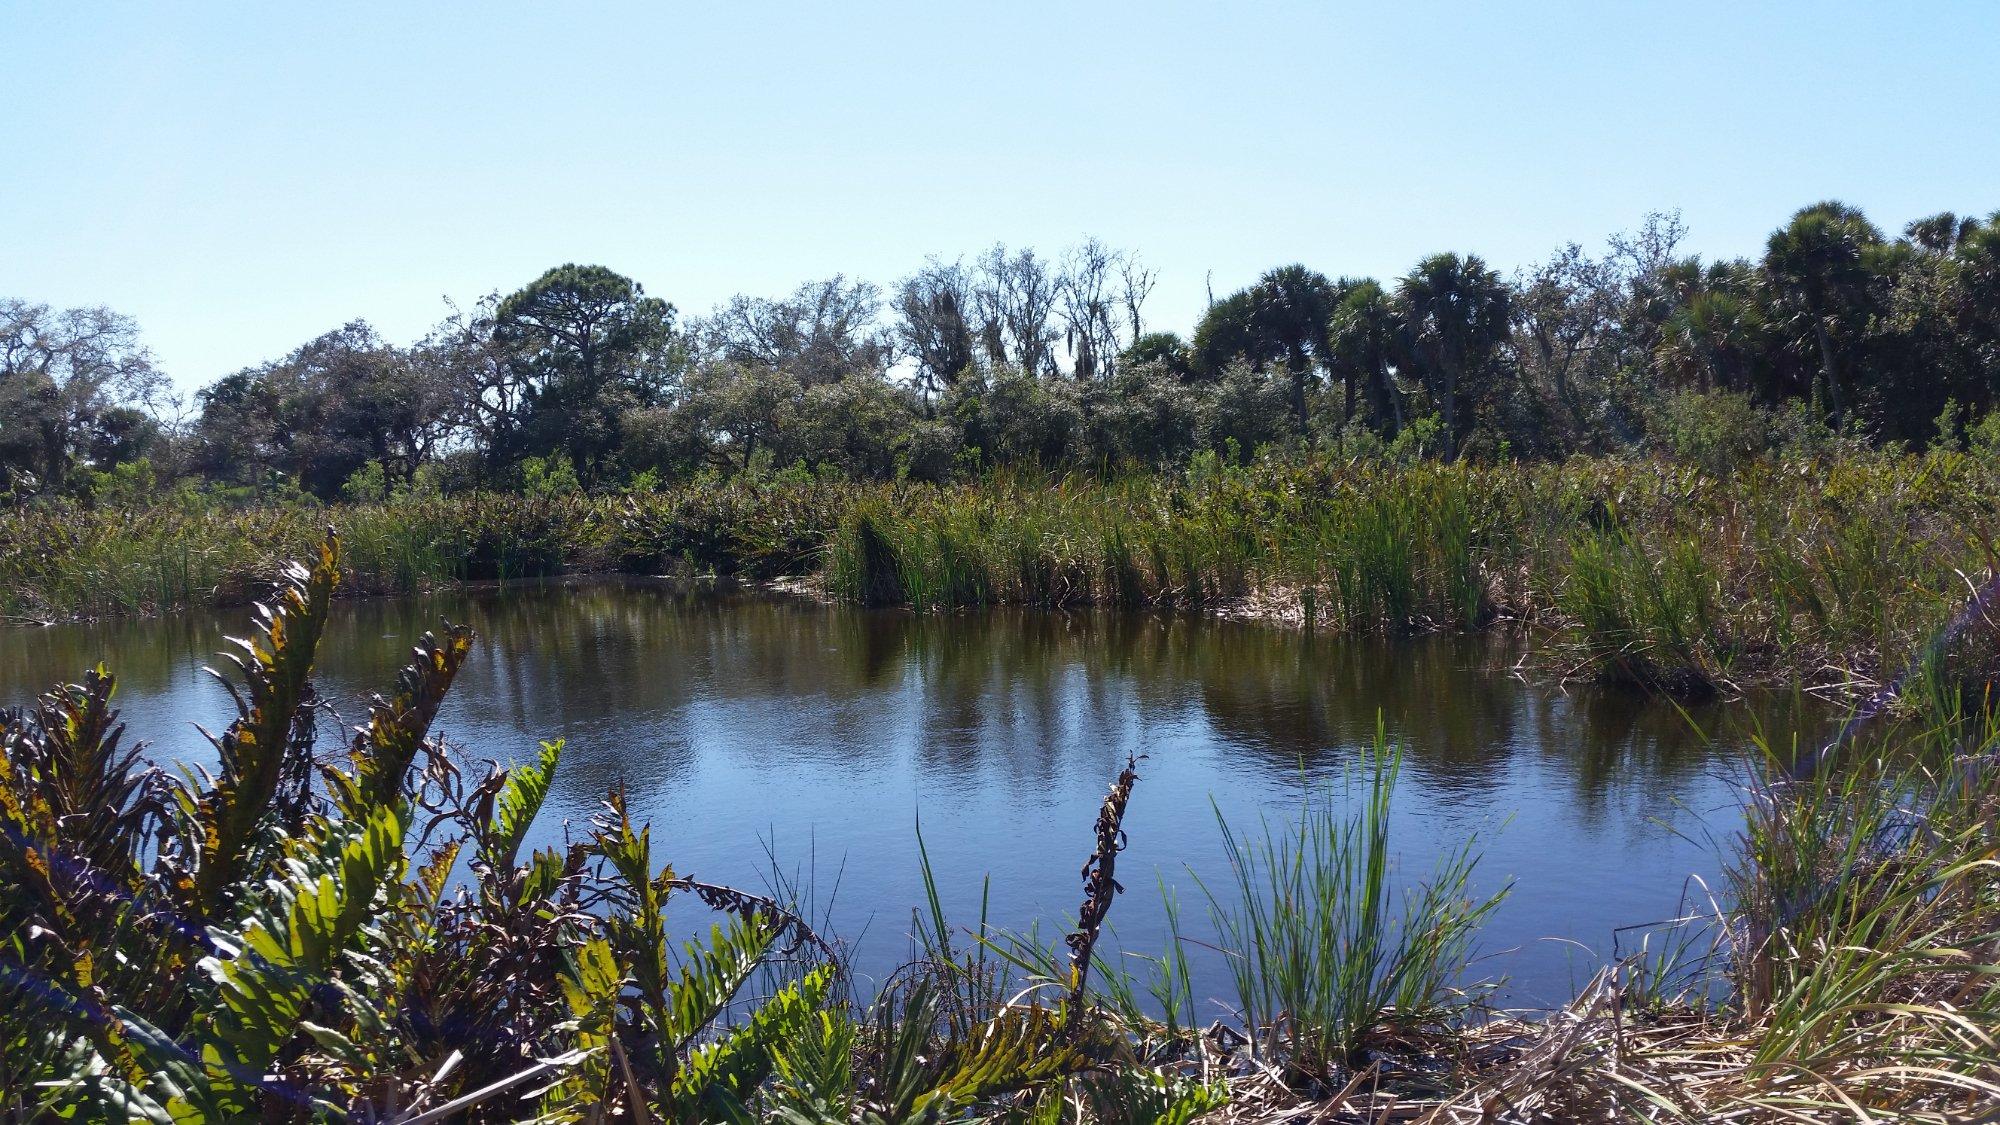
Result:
[1457,311]
[1293,305]
[1941,233]
[1361,336]
[1706,334]
[1228,331]
[1819,266]
[1281,319]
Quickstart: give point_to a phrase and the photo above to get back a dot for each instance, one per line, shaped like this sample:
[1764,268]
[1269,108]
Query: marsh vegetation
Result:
[1822,572]
[1675,478]
[364,931]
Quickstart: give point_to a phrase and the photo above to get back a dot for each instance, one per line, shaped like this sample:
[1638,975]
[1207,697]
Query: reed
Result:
[1327,965]
[1823,570]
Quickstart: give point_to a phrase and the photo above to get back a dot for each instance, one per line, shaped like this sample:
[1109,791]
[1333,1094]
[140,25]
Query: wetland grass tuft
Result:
[1329,963]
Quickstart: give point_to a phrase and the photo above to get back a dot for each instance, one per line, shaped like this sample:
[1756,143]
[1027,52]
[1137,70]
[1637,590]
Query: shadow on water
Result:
[740,722]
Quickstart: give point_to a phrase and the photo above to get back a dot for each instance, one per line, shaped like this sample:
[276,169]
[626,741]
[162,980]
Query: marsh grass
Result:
[1868,915]
[1657,575]
[1642,617]
[1327,963]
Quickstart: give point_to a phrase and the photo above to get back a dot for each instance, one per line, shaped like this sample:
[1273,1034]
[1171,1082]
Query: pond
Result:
[760,733]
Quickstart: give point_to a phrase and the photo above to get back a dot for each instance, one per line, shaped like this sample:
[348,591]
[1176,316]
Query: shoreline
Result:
[1277,606]
[1823,575]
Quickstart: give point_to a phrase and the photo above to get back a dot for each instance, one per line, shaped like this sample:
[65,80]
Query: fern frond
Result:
[721,1077]
[261,746]
[506,811]
[591,981]
[638,928]
[67,751]
[815,1072]
[710,975]
[287,953]
[383,751]
[1016,1049]
[55,974]
[1150,1097]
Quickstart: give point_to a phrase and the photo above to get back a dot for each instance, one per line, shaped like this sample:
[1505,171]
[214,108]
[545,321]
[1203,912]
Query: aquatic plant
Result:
[1664,576]
[1326,964]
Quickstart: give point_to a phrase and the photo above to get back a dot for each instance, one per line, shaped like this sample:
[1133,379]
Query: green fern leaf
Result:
[515,808]
[723,1075]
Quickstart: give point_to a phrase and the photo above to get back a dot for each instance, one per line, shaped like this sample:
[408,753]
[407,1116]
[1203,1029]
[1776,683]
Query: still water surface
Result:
[747,728]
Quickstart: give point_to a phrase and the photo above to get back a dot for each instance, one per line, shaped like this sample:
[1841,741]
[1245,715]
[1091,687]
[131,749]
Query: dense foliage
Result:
[580,379]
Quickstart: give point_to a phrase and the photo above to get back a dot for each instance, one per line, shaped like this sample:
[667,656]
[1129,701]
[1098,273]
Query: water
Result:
[747,728]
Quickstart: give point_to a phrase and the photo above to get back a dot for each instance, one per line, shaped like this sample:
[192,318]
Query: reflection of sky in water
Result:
[826,732]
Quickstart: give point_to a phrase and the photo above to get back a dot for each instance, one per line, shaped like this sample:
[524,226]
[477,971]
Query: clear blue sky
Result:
[242,177]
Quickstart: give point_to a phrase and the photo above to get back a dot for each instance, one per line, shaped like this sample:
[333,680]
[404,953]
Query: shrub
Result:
[366,485]
[1717,431]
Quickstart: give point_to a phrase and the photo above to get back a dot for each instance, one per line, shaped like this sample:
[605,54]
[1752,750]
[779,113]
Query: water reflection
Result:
[826,732]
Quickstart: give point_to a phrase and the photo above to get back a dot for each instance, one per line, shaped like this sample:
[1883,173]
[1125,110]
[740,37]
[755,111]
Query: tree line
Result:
[1836,332]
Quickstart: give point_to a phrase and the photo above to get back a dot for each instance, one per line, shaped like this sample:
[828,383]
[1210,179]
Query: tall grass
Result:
[1861,933]
[1660,575]
[1643,618]
[1326,962]
[1868,928]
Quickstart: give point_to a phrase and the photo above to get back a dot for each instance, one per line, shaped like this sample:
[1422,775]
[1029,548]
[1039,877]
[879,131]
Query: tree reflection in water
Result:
[742,723]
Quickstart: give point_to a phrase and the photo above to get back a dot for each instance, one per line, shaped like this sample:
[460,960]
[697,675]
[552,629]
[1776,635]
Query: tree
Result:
[933,324]
[1567,333]
[1012,416]
[1101,293]
[483,379]
[1164,349]
[1280,320]
[1362,339]
[1457,310]
[1938,341]
[1015,295]
[62,377]
[1713,338]
[1941,233]
[588,344]
[825,331]
[858,426]
[724,418]
[1248,409]
[336,403]
[1009,311]
[1820,268]
[1294,305]
[1148,413]
[1228,332]
[239,437]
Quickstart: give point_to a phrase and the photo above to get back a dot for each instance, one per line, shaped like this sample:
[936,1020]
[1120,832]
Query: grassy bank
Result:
[369,936]
[1824,571]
